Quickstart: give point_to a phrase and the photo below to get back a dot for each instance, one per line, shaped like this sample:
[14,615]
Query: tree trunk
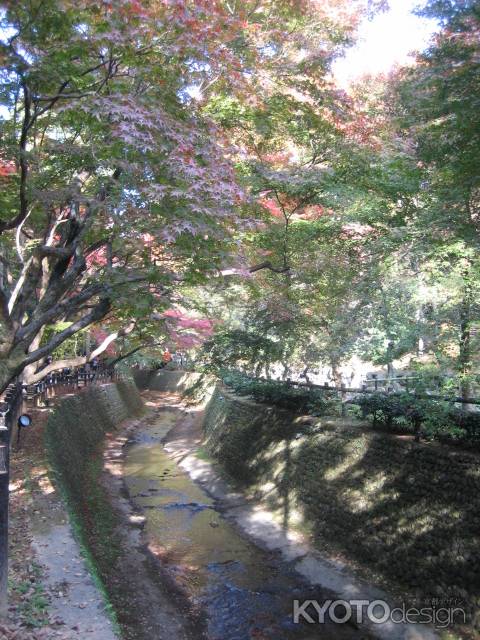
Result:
[268,375]
[7,374]
[30,369]
[336,375]
[390,369]
[465,355]
[11,365]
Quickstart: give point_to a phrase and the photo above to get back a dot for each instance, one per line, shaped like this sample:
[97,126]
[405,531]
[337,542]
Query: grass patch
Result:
[202,454]
[99,520]
[34,606]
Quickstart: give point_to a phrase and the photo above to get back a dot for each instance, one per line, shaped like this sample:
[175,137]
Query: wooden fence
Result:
[343,389]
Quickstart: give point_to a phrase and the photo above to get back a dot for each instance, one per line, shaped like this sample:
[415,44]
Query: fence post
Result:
[8,413]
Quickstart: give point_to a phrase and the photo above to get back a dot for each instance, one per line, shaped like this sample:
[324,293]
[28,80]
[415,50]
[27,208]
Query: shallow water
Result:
[247,592]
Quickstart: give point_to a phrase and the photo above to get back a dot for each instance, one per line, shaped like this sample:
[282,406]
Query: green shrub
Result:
[400,410]
[297,399]
[445,422]
[469,422]
[435,419]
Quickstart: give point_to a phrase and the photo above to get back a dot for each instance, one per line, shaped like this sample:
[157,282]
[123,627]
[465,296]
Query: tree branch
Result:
[268,265]
[59,310]
[132,351]
[23,163]
[78,361]
[99,312]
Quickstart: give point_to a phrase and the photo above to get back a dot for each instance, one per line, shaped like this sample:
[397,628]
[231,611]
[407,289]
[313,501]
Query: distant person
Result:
[166,357]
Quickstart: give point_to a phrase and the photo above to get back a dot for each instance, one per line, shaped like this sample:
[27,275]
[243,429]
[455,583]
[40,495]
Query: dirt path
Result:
[52,594]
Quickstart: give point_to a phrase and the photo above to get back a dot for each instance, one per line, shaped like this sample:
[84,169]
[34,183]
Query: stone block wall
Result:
[405,512]
[196,387]
[77,426]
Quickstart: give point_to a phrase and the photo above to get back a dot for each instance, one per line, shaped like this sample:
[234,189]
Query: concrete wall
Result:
[406,513]
[78,424]
[197,387]
[164,380]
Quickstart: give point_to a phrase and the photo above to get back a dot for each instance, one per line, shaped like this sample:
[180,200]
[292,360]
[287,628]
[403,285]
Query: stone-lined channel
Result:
[246,592]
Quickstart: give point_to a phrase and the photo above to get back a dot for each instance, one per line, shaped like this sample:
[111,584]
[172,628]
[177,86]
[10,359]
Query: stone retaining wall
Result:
[407,513]
[164,380]
[76,427]
[197,387]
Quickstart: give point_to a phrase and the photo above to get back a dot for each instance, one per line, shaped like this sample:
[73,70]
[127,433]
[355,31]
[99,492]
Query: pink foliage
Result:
[272,207]
[279,159]
[7,168]
[186,331]
[97,258]
[148,239]
[172,313]
[185,341]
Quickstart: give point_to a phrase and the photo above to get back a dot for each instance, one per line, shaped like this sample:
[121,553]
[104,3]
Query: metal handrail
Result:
[75,377]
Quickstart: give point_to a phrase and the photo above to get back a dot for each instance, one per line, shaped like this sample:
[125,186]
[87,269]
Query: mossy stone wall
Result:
[164,380]
[407,513]
[77,426]
[196,387]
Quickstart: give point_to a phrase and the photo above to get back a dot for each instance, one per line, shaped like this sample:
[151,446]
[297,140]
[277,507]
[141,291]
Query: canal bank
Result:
[82,435]
[397,514]
[184,555]
[245,590]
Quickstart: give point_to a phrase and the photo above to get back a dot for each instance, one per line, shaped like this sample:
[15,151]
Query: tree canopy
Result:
[186,173]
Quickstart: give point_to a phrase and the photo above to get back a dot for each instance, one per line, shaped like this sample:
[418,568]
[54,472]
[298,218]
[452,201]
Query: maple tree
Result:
[102,146]
[159,158]
[302,162]
[369,204]
[437,106]
[116,178]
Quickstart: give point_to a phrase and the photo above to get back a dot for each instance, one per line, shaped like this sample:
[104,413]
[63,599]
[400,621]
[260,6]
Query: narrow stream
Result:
[246,592]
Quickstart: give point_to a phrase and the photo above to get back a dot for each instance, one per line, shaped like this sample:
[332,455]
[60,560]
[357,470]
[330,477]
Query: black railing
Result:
[15,396]
[67,379]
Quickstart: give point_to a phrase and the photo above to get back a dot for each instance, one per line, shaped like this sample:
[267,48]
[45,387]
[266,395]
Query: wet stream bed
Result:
[246,592]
